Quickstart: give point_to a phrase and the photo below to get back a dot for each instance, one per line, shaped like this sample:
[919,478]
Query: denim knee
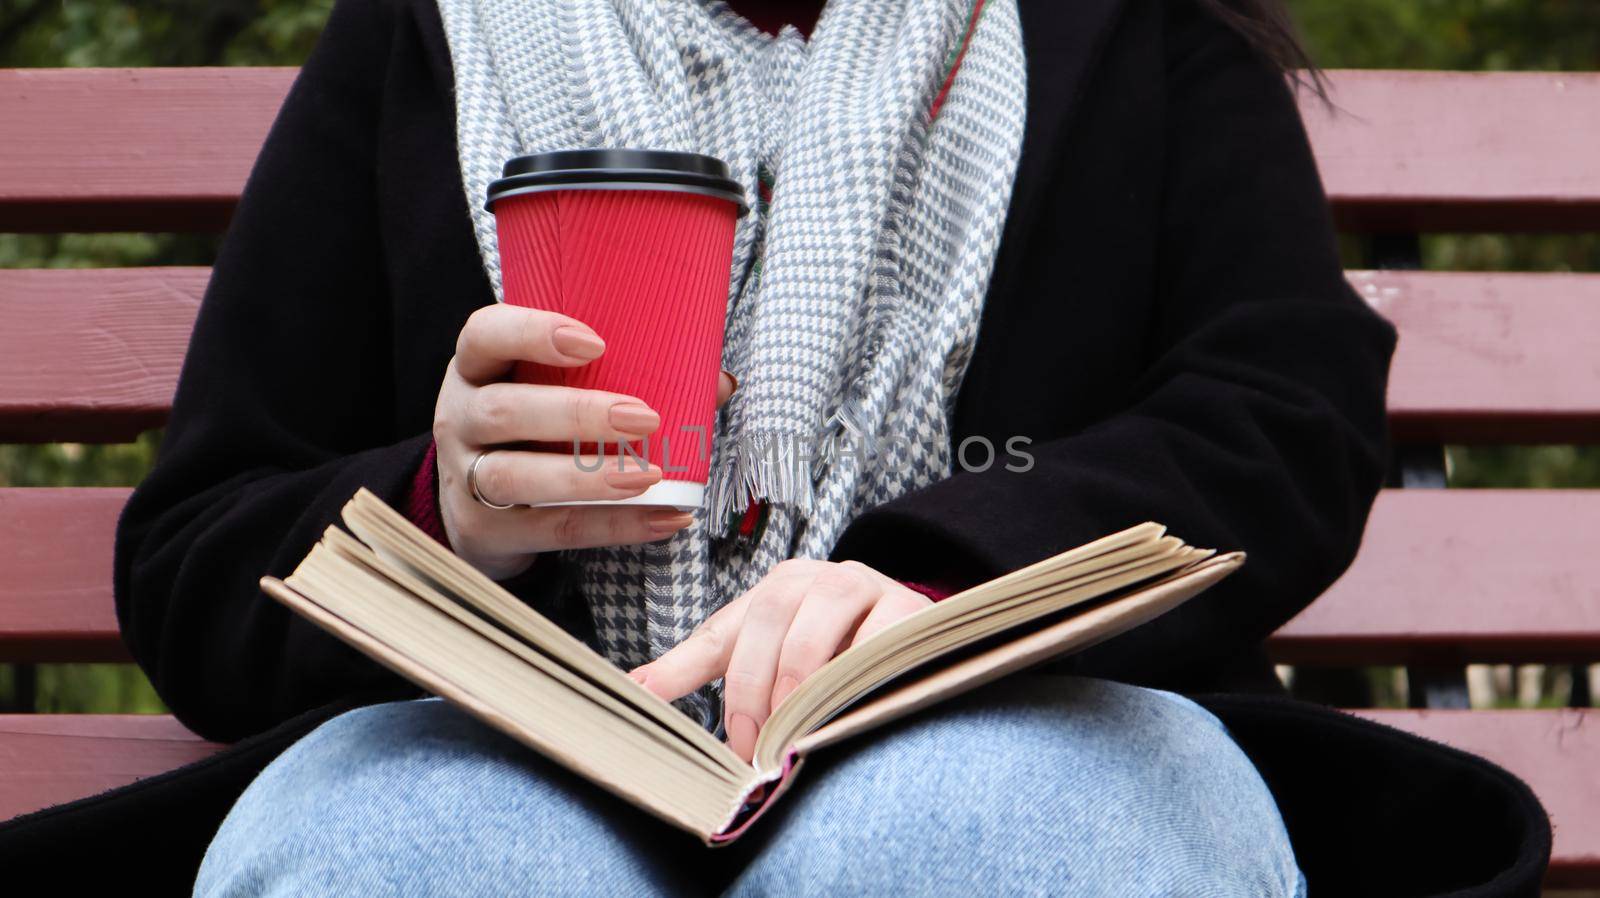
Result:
[1035,786]
[416,798]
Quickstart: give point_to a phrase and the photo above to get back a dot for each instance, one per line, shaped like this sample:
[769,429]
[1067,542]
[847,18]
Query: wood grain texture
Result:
[55,574]
[1491,358]
[168,149]
[1451,576]
[1460,151]
[92,355]
[47,759]
[1557,753]
[130,149]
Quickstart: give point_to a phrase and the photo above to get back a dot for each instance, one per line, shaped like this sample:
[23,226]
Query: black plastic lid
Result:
[619,169]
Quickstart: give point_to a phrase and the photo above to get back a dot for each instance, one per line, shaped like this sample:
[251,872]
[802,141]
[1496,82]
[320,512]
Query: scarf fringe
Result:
[769,466]
[784,468]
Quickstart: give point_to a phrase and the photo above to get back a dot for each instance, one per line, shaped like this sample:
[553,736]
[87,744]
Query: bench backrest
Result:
[93,355]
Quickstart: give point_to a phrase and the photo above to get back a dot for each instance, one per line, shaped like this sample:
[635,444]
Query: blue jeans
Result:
[1031,786]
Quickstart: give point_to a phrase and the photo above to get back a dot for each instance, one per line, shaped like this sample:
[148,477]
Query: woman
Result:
[1133,271]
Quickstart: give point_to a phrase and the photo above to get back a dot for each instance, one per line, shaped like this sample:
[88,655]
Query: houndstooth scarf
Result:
[887,144]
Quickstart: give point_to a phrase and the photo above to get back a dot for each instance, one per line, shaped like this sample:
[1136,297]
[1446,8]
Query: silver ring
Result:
[472,484]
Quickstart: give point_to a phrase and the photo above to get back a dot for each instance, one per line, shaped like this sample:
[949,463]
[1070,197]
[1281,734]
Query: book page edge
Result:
[357,638]
[1075,633]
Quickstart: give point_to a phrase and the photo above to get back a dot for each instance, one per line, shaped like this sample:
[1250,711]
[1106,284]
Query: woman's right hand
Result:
[480,409]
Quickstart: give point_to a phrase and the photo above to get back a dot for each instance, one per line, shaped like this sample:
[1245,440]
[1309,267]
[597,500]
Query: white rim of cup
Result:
[683,495]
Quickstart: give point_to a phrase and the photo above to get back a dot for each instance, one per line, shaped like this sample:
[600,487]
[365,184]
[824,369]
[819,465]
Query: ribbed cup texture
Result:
[648,270]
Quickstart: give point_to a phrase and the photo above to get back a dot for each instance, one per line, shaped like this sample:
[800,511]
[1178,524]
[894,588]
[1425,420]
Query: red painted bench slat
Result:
[55,574]
[168,149]
[1557,753]
[1444,575]
[92,355]
[1462,575]
[1491,358]
[1460,151]
[47,759]
[144,149]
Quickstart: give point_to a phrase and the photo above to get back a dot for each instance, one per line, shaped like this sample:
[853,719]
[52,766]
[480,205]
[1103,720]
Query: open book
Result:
[400,597]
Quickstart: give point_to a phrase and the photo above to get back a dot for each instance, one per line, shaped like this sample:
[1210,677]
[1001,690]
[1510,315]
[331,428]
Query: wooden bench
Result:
[1446,577]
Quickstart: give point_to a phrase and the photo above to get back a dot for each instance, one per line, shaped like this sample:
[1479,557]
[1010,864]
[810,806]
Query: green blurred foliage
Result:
[1529,467]
[190,32]
[1411,34]
[1511,252]
[1451,34]
[106,250]
[79,689]
[78,464]
[95,689]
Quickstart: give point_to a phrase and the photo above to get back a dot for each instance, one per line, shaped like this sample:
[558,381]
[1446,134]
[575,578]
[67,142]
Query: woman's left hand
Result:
[765,642]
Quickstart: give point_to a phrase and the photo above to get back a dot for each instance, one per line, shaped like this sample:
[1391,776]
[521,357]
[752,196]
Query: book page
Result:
[724,761]
[944,627]
[1073,634]
[560,723]
[398,541]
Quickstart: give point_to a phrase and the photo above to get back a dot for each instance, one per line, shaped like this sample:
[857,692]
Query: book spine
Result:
[754,801]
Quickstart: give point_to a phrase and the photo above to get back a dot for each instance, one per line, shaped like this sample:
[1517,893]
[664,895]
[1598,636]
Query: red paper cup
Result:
[637,244]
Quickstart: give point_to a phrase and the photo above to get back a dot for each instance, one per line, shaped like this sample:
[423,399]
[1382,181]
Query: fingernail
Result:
[741,733]
[730,376]
[577,342]
[634,417]
[785,686]
[632,478]
[637,675]
[668,521]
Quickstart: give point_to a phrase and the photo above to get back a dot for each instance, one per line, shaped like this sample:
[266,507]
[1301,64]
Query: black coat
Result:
[1168,323]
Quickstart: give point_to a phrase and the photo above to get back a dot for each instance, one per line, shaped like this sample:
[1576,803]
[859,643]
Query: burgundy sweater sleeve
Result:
[935,591]
[422,501]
